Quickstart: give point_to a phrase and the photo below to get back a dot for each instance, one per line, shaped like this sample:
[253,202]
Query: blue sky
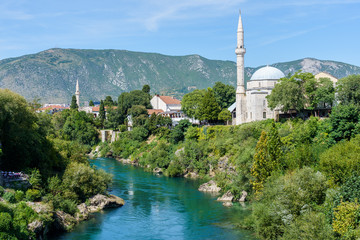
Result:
[275,30]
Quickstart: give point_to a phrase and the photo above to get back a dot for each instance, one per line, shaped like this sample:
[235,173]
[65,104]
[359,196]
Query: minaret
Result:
[240,88]
[77,93]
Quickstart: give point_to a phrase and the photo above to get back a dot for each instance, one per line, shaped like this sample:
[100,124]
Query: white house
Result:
[165,103]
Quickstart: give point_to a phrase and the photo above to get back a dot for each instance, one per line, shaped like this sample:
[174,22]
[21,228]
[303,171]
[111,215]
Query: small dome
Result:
[267,73]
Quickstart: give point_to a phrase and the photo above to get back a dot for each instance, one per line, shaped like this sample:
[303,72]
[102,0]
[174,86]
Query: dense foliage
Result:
[51,150]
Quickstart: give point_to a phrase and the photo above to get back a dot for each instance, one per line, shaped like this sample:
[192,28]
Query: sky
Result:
[275,30]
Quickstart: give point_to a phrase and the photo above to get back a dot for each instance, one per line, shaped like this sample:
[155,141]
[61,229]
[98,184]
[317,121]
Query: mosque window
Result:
[264,103]
[264,114]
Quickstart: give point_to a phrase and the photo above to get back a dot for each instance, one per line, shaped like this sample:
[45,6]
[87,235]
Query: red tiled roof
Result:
[156,111]
[169,100]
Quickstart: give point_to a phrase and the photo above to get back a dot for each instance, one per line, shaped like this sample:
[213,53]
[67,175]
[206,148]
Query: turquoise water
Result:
[157,207]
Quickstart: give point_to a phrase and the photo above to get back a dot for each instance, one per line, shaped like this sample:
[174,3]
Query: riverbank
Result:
[38,219]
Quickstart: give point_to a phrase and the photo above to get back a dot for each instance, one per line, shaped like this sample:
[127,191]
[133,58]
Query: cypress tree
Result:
[73,103]
[102,112]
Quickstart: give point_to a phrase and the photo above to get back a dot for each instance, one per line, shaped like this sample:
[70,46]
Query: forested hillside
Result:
[51,75]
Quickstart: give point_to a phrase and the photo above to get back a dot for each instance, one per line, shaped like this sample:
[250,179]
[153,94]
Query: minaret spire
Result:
[240,88]
[77,93]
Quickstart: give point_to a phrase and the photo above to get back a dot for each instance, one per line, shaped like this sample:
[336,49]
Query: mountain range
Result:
[51,74]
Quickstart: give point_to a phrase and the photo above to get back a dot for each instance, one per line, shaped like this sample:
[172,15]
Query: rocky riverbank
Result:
[60,221]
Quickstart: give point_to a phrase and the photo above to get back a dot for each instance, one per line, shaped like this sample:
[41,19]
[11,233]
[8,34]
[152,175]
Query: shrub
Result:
[69,206]
[350,190]
[19,195]
[310,225]
[341,161]
[1,191]
[85,181]
[5,222]
[33,195]
[346,217]
[9,196]
[22,216]
[35,179]
[175,169]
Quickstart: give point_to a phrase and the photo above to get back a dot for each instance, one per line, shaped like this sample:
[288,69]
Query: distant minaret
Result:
[240,88]
[77,93]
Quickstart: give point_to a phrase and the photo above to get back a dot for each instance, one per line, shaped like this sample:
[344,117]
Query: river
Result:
[158,207]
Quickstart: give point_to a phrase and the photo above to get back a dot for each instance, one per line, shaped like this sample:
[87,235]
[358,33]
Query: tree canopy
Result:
[301,91]
[224,94]
[348,90]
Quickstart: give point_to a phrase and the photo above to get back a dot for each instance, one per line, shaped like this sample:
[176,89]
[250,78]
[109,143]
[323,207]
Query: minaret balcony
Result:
[240,51]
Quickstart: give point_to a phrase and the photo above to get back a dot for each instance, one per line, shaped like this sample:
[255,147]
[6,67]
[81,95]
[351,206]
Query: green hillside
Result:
[51,75]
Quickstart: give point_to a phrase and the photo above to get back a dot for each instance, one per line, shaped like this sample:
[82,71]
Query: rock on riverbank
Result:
[210,186]
[65,222]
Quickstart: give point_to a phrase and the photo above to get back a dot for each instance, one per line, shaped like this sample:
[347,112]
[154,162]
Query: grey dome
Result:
[267,73]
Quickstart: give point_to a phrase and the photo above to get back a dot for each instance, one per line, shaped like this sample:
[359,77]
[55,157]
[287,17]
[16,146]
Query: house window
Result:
[264,103]
[246,114]
[250,115]
[259,84]
[264,114]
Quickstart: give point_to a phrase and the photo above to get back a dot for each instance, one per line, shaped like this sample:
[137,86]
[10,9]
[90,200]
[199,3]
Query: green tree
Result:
[91,103]
[225,115]
[108,102]
[286,95]
[344,121]
[209,107]
[178,133]
[79,126]
[261,169]
[74,105]
[23,140]
[102,114]
[85,181]
[191,103]
[138,114]
[224,94]
[128,99]
[146,89]
[113,118]
[274,146]
[348,90]
[325,93]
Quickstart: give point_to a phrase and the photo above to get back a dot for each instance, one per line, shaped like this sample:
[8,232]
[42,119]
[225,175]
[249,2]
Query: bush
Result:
[33,195]
[84,181]
[341,161]
[346,217]
[285,198]
[175,169]
[22,216]
[1,191]
[69,206]
[10,197]
[5,222]
[310,225]
[19,195]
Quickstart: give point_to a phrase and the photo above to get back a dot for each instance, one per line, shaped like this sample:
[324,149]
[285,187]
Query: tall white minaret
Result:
[77,93]
[240,88]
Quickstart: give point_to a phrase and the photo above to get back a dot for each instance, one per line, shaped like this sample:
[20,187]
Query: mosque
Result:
[251,103]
